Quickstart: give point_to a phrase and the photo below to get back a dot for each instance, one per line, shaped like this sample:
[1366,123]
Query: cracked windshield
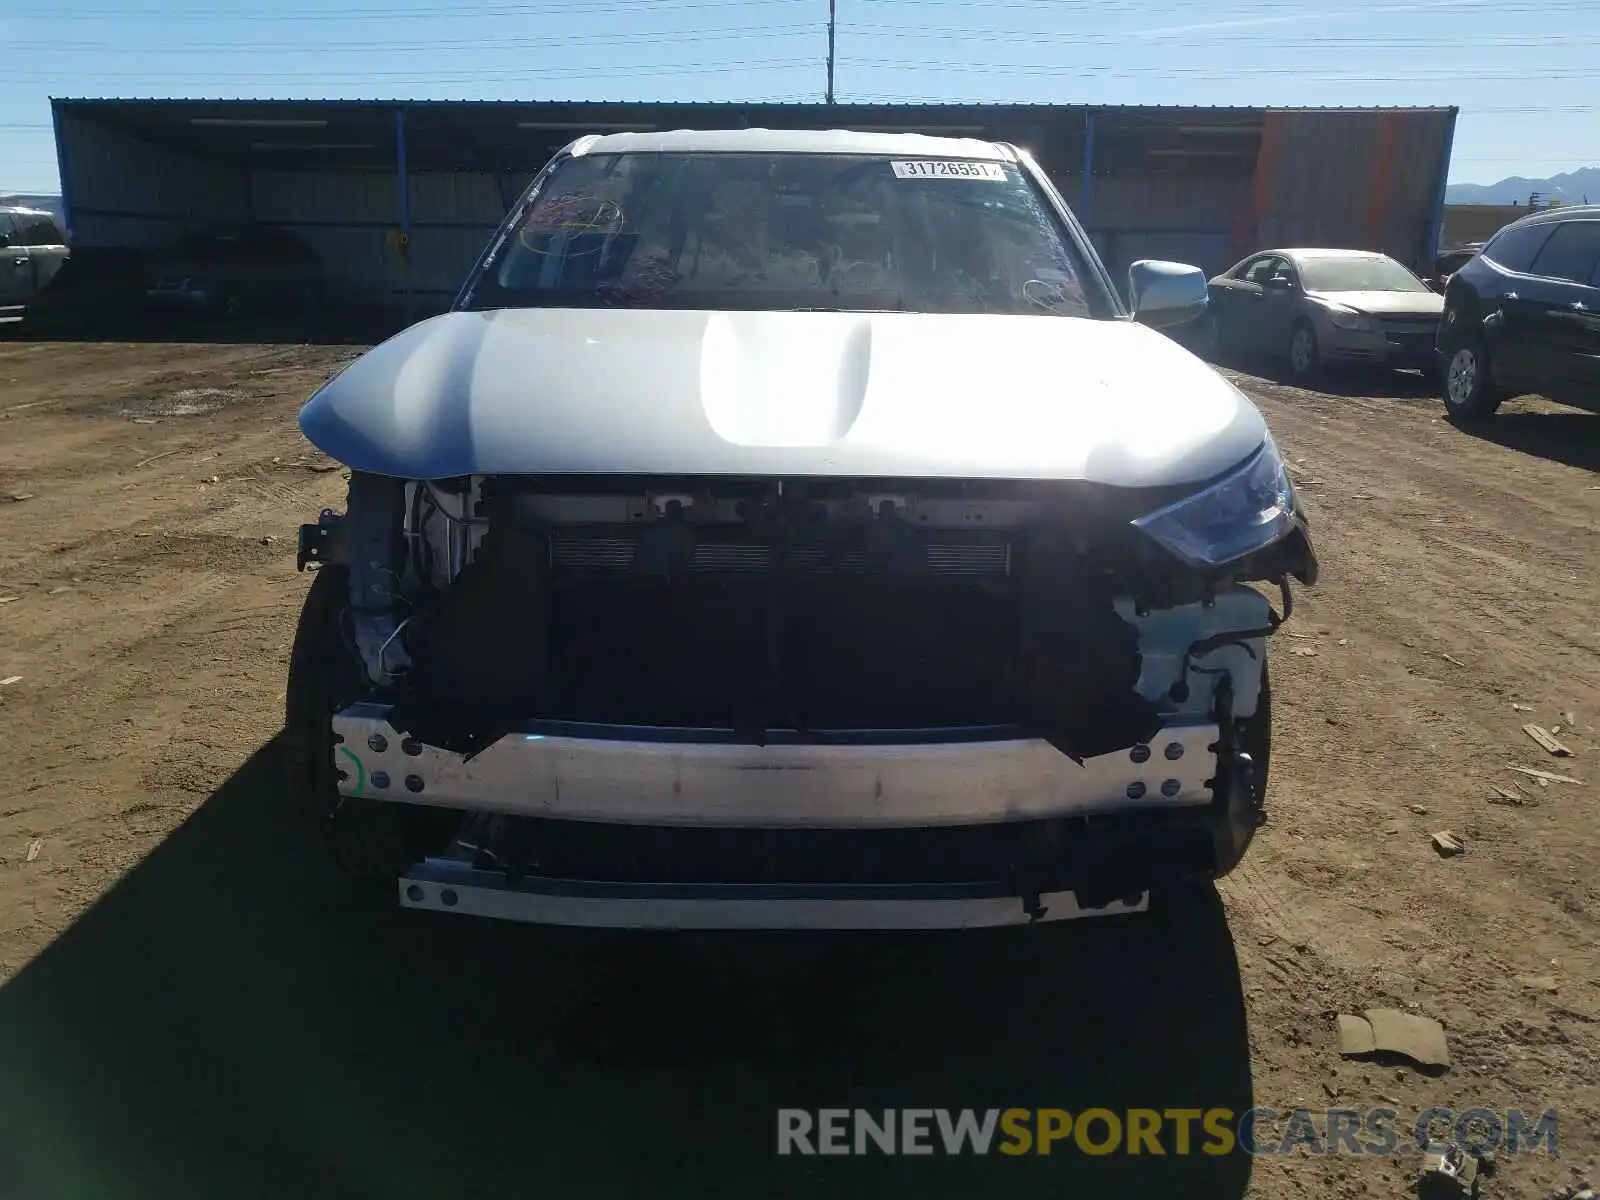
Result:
[800,599]
[758,231]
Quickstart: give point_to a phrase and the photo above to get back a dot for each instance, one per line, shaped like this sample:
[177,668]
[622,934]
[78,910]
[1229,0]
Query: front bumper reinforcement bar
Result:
[859,780]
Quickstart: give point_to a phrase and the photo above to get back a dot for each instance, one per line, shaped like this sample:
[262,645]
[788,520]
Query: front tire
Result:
[1470,395]
[1305,361]
[370,842]
[1254,737]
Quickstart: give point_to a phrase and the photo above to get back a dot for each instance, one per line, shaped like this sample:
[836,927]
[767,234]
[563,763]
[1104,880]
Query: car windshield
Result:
[1376,274]
[787,231]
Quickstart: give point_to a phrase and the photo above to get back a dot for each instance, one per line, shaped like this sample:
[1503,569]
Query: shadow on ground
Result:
[228,1021]
[1385,385]
[344,327]
[1572,438]
[1336,381]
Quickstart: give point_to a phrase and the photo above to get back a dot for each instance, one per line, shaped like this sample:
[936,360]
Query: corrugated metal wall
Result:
[125,192]
[1184,219]
[1353,179]
[345,216]
[1334,177]
[350,218]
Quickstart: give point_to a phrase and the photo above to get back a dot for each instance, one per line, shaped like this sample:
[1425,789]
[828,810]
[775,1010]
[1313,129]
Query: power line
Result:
[369,45]
[1452,75]
[1231,37]
[1076,70]
[886,32]
[868,97]
[580,9]
[391,77]
[1254,14]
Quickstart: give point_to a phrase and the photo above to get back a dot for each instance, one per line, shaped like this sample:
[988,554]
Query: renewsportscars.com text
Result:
[1178,1131]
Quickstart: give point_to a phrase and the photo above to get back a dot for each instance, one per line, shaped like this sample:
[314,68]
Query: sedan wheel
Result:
[1303,351]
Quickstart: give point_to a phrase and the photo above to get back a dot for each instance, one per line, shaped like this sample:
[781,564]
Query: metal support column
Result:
[1436,228]
[832,13]
[64,169]
[403,197]
[1086,189]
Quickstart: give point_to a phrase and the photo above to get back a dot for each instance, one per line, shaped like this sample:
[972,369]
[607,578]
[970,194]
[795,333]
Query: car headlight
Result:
[1349,318]
[1238,515]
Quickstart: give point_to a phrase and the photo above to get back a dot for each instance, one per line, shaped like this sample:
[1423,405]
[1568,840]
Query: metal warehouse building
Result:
[400,196]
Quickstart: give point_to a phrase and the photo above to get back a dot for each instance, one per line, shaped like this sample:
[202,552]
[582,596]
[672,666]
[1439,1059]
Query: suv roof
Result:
[792,141]
[1560,212]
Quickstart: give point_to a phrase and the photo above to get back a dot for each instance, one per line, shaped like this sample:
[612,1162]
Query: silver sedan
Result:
[1321,307]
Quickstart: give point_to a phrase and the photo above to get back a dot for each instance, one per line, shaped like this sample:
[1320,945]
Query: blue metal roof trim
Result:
[155,102]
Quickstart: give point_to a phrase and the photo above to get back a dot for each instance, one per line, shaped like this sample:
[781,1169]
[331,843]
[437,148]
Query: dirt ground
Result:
[194,1006]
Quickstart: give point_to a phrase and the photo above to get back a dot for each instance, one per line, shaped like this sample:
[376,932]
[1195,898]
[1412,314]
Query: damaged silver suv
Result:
[792,530]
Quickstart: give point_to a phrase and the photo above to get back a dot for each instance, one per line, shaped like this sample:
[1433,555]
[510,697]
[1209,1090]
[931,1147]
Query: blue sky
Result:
[1526,73]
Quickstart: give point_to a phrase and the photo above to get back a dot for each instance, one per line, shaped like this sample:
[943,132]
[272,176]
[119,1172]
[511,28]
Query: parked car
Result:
[1447,262]
[1317,308]
[256,269]
[1524,316]
[791,529]
[32,250]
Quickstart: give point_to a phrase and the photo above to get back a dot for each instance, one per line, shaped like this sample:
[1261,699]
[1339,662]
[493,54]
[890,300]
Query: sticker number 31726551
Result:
[944,168]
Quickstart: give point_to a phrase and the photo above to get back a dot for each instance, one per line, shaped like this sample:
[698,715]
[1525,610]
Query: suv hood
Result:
[654,392]
[1387,304]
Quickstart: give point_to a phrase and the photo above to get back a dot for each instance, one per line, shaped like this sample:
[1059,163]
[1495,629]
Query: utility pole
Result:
[831,15]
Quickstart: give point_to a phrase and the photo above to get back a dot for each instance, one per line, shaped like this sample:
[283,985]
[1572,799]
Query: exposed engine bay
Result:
[787,605]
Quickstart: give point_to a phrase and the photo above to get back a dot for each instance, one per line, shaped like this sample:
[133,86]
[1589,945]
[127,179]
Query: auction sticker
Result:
[944,168]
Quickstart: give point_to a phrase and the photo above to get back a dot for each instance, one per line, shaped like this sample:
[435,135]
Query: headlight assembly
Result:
[1238,515]
[1349,318]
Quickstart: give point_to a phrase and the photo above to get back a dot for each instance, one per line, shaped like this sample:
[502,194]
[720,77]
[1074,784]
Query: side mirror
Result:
[1164,294]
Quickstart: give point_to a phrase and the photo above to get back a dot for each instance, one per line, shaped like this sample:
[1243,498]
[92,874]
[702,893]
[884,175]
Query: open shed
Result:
[399,197]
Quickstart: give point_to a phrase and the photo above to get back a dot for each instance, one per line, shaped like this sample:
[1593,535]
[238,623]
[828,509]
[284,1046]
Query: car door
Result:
[1562,313]
[16,272]
[1263,304]
[1498,307]
[47,247]
[1239,297]
[1282,300]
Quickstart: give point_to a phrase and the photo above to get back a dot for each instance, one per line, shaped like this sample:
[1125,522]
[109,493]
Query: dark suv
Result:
[1524,316]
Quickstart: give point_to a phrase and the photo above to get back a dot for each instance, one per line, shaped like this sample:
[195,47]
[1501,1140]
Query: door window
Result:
[1514,248]
[37,229]
[1264,268]
[1572,253]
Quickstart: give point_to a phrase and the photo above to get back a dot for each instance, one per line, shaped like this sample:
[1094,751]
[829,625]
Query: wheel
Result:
[1304,359]
[1254,734]
[370,842]
[1469,391]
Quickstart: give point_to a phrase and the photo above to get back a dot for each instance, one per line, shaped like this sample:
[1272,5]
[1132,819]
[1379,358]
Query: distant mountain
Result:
[50,204]
[1570,188]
